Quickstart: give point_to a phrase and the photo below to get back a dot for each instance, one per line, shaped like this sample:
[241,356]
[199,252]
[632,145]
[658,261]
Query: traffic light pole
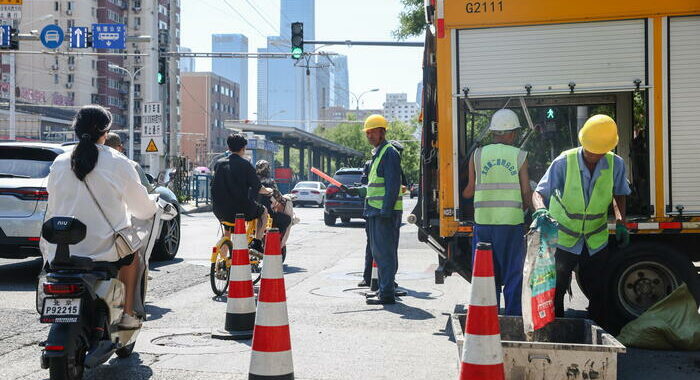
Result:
[13,100]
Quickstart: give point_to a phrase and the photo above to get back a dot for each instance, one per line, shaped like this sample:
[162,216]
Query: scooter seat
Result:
[85,264]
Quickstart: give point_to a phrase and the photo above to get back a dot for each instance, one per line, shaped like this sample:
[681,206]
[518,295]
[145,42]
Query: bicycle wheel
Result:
[219,272]
[256,263]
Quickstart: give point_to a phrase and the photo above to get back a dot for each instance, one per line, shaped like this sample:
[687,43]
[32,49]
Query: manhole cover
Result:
[189,340]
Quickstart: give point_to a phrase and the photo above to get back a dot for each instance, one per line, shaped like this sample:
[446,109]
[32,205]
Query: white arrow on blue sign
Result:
[109,36]
[78,37]
[52,36]
[5,35]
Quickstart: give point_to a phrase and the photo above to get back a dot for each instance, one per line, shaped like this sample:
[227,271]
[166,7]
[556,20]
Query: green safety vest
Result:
[575,219]
[375,185]
[497,198]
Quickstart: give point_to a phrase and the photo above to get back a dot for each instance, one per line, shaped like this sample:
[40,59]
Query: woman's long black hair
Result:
[90,123]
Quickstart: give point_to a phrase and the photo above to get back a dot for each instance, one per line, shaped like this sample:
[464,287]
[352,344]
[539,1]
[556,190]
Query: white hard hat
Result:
[504,120]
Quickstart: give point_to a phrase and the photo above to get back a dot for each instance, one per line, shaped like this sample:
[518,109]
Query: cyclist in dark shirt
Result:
[235,187]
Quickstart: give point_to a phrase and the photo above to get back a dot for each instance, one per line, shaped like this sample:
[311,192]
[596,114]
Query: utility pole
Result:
[307,114]
[13,100]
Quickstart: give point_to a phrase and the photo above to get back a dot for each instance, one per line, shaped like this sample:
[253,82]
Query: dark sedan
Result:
[338,203]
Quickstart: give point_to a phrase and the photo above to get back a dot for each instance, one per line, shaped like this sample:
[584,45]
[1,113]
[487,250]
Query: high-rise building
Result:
[340,91]
[397,108]
[208,101]
[70,80]
[235,70]
[187,64]
[285,92]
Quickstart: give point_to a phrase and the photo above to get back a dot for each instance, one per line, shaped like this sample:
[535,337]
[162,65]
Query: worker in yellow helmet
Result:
[383,207]
[577,191]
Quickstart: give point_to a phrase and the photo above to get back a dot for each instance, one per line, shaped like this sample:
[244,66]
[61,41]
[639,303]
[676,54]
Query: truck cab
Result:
[634,61]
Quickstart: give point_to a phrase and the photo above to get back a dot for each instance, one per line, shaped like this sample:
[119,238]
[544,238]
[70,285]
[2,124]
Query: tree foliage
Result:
[351,136]
[411,20]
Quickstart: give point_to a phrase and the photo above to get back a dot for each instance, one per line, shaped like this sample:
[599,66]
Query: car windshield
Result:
[25,163]
[307,185]
[348,179]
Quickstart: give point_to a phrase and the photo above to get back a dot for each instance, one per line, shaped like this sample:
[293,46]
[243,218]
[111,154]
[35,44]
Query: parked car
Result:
[414,190]
[309,192]
[24,170]
[338,203]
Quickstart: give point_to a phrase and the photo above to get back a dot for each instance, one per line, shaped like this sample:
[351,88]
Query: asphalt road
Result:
[335,335]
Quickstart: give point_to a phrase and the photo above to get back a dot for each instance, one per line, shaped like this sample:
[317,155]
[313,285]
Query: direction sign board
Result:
[109,36]
[152,128]
[51,36]
[78,37]
[5,34]
[10,12]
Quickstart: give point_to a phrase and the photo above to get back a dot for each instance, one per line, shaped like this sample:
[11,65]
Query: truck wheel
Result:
[644,274]
[329,219]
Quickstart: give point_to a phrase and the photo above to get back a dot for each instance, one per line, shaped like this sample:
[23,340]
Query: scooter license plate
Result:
[61,310]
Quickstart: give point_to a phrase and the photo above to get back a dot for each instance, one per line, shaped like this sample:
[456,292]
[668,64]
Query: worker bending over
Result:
[577,191]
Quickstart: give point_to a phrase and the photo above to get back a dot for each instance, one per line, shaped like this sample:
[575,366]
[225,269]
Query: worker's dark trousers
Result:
[384,240]
[592,272]
[367,274]
[508,244]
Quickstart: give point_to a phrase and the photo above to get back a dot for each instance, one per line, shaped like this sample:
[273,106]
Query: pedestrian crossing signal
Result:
[550,113]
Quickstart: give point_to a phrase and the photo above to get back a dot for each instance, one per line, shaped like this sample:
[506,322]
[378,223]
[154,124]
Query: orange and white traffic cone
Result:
[240,305]
[272,346]
[374,283]
[482,355]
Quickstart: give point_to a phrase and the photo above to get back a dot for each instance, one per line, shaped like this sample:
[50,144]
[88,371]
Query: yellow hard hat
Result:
[375,121]
[599,134]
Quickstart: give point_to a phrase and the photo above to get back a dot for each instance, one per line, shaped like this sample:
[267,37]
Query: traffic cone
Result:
[240,305]
[272,347]
[482,355]
[374,283]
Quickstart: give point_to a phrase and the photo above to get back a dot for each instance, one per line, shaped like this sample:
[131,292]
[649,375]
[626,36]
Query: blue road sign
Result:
[5,34]
[51,36]
[109,36]
[78,37]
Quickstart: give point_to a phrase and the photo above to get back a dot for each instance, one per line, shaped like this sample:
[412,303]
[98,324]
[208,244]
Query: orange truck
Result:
[556,63]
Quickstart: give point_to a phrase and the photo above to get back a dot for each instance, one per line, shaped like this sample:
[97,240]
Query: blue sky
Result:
[389,69]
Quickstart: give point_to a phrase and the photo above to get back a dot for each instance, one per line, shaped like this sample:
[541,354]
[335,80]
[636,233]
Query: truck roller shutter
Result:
[684,115]
[593,55]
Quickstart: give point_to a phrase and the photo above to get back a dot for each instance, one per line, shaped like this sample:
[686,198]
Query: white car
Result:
[310,192]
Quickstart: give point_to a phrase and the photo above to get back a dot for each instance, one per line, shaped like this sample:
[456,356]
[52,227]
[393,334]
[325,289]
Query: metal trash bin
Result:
[567,349]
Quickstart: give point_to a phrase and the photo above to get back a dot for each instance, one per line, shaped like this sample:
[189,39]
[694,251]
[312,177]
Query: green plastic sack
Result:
[671,324]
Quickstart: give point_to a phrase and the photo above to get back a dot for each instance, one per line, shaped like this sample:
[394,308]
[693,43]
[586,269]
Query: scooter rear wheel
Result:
[70,366]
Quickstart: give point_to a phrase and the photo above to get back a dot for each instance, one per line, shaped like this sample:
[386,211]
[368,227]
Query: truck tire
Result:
[642,275]
[329,219]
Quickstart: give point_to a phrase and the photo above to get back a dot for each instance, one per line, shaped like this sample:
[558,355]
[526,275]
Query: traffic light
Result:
[162,69]
[297,40]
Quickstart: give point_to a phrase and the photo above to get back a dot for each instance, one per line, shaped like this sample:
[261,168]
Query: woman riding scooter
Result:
[96,173]
[274,204]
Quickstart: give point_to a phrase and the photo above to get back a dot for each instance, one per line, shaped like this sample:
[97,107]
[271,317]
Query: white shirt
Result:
[117,187]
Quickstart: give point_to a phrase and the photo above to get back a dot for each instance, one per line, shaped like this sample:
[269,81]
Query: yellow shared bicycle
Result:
[222,255]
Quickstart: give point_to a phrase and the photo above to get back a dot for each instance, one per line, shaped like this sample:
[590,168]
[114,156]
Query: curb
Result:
[200,209]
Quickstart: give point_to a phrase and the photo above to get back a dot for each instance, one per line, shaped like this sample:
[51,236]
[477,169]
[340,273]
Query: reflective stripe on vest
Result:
[576,220]
[376,187]
[497,196]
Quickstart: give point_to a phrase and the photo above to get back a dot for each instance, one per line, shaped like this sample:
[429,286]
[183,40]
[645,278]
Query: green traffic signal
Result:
[297,53]
[297,40]
[550,113]
[161,78]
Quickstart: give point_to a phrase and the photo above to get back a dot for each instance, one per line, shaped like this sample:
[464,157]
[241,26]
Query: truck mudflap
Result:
[568,348]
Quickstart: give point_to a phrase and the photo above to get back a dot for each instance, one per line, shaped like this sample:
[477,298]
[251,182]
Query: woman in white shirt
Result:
[114,182]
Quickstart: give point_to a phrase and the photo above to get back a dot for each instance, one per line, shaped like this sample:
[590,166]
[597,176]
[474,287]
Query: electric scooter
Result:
[83,299]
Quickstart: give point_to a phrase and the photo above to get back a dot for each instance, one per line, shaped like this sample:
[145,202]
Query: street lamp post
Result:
[357,98]
[131,105]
